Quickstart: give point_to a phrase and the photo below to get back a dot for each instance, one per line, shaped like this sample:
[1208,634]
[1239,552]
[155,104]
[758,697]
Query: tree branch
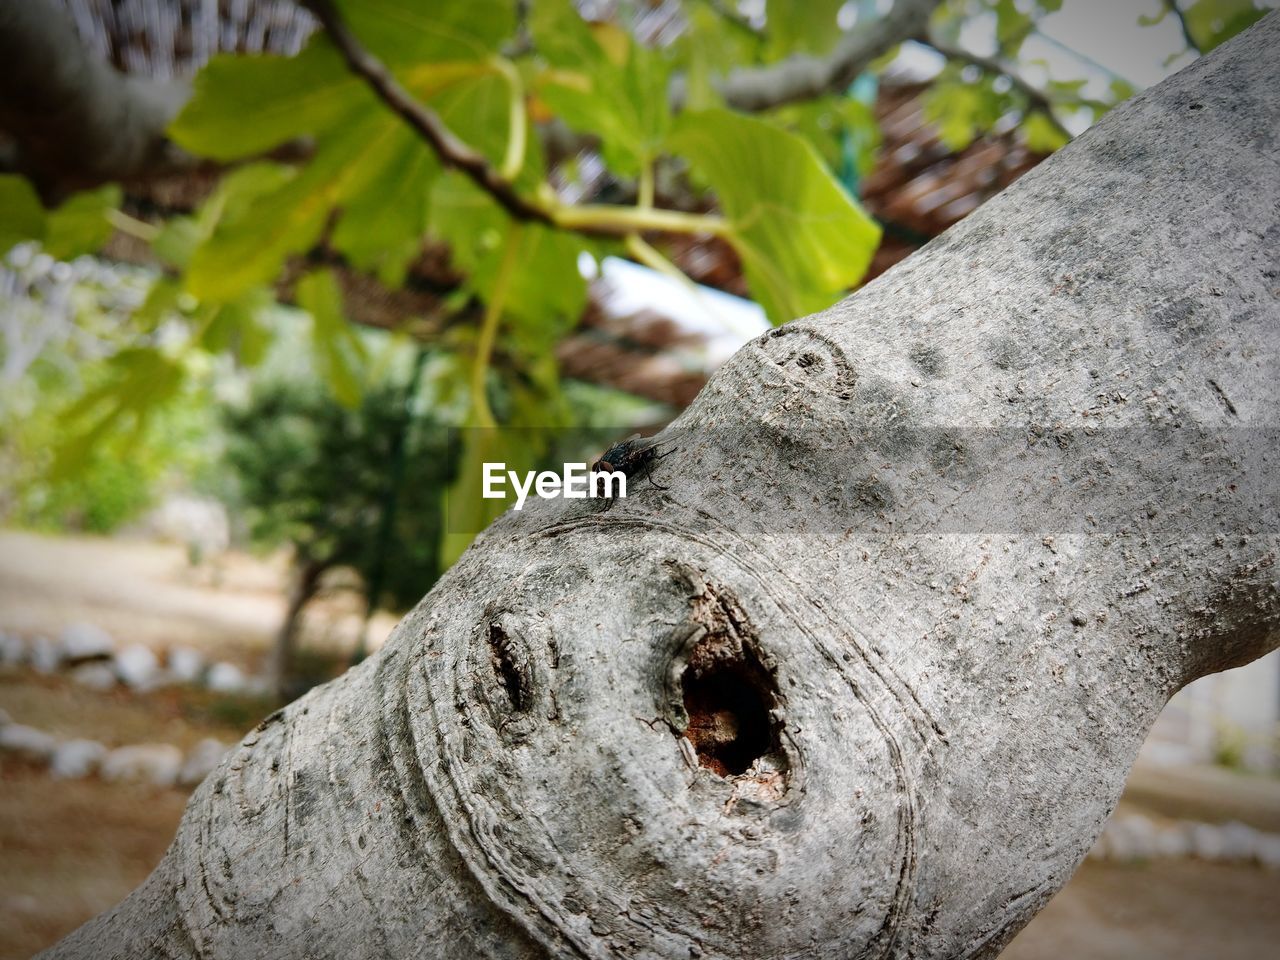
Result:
[804,77]
[1037,99]
[591,219]
[1187,35]
[75,120]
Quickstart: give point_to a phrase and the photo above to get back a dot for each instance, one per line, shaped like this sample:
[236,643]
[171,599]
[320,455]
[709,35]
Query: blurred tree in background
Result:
[358,487]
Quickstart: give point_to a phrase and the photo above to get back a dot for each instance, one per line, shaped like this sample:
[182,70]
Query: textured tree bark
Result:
[866,678]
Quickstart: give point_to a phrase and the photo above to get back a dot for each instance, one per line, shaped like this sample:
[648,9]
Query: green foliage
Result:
[835,126]
[964,110]
[1041,135]
[326,181]
[339,352]
[808,27]
[801,237]
[138,380]
[547,293]
[1213,22]
[408,32]
[79,225]
[128,464]
[245,106]
[602,82]
[24,217]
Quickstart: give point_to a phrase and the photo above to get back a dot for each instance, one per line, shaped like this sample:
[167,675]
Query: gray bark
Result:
[831,693]
[805,76]
[77,121]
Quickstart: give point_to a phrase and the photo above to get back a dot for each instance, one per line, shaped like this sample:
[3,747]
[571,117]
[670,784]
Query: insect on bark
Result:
[635,457]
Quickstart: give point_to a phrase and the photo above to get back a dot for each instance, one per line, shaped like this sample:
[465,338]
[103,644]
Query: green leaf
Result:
[1122,89]
[547,293]
[80,224]
[140,380]
[834,125]
[339,352]
[953,108]
[808,27]
[1065,89]
[384,220]
[163,301]
[1041,134]
[260,227]
[477,109]
[710,46]
[23,217]
[412,31]
[237,327]
[1012,26]
[242,106]
[177,241]
[1213,22]
[802,239]
[617,92]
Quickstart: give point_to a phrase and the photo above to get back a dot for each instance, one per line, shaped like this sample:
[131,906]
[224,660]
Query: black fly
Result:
[634,458]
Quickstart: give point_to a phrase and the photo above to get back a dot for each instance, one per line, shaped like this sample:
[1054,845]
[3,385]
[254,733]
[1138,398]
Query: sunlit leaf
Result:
[243,106]
[954,108]
[712,44]
[1012,26]
[237,328]
[624,105]
[1041,135]
[21,215]
[139,380]
[547,292]
[339,352]
[411,31]
[836,126]
[802,239]
[1212,22]
[383,221]
[177,241]
[80,224]
[251,241]
[808,27]
[1122,89]
[477,109]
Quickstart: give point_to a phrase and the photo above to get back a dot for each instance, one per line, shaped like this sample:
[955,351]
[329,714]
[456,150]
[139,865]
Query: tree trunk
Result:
[866,677]
[305,581]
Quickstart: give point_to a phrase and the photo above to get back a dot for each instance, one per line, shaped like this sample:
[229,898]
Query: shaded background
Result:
[264,495]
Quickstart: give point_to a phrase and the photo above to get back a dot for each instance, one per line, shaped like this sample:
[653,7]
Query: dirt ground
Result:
[142,591]
[69,849]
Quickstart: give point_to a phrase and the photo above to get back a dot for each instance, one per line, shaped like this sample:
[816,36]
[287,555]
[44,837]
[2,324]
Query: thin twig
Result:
[729,14]
[1036,98]
[1172,7]
[803,76]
